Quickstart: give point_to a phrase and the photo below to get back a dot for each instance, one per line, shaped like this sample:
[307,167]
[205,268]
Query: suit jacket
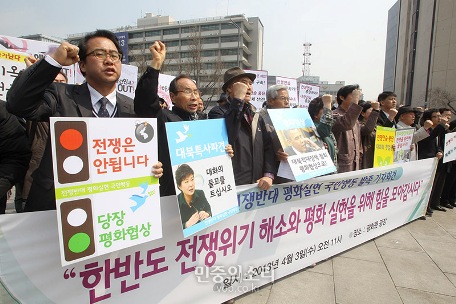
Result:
[34,96]
[384,121]
[147,104]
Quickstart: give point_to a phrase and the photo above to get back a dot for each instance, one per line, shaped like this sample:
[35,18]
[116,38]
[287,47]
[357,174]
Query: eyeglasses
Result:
[283,98]
[189,92]
[103,54]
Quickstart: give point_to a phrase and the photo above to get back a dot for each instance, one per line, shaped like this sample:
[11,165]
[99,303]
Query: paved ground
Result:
[414,264]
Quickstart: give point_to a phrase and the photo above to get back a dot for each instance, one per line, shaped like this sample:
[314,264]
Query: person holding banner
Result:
[254,157]
[276,98]
[347,128]
[34,96]
[431,147]
[184,95]
[193,205]
[405,118]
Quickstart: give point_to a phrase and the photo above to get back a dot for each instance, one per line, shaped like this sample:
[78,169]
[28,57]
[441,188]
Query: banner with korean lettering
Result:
[384,141]
[307,92]
[123,42]
[307,156]
[450,147]
[163,88]
[292,89]
[203,173]
[260,86]
[26,47]
[303,224]
[403,142]
[106,198]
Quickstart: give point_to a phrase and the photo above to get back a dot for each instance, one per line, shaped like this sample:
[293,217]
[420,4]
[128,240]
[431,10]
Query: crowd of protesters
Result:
[347,127]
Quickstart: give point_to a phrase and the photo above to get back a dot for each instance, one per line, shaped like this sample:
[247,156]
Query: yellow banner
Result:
[384,141]
[12,56]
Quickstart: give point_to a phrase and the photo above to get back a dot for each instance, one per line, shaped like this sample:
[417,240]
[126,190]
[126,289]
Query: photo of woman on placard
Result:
[193,205]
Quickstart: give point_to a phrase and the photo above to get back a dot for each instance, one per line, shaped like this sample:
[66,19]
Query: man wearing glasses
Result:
[276,98]
[35,97]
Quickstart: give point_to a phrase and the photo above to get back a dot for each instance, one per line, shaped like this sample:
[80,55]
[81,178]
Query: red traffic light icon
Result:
[71,151]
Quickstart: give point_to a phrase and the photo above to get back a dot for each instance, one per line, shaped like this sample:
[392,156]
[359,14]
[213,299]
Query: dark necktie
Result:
[103,112]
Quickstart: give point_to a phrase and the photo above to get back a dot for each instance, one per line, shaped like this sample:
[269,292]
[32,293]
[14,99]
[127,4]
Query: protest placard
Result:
[384,141]
[403,142]
[259,88]
[307,156]
[307,92]
[203,173]
[106,198]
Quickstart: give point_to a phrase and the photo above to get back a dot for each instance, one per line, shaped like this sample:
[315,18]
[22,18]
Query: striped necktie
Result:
[103,112]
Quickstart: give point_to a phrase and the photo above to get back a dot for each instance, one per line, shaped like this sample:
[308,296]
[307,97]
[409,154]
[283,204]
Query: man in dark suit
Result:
[35,97]
[388,109]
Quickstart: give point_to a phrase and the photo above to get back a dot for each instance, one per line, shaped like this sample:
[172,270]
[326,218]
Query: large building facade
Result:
[202,48]
[420,59]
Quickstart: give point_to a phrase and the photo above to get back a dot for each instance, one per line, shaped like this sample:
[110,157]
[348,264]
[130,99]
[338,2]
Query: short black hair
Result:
[384,95]
[441,110]
[98,33]
[427,115]
[182,172]
[315,106]
[345,91]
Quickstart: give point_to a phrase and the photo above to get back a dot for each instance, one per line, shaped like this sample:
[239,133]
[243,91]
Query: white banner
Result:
[292,89]
[260,86]
[307,92]
[163,88]
[450,147]
[294,225]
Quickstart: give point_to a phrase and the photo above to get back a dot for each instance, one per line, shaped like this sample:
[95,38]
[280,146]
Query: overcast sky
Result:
[348,37]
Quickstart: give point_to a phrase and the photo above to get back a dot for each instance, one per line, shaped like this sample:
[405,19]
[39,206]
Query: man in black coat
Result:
[35,97]
[184,95]
[14,153]
[254,157]
[388,109]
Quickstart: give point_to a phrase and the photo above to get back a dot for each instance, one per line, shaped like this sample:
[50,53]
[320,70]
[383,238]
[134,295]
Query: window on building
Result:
[171,31]
[186,42]
[209,53]
[135,35]
[227,26]
[209,65]
[210,27]
[153,33]
[186,54]
[133,47]
[229,39]
[229,52]
[189,29]
[170,43]
[209,40]
[173,55]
